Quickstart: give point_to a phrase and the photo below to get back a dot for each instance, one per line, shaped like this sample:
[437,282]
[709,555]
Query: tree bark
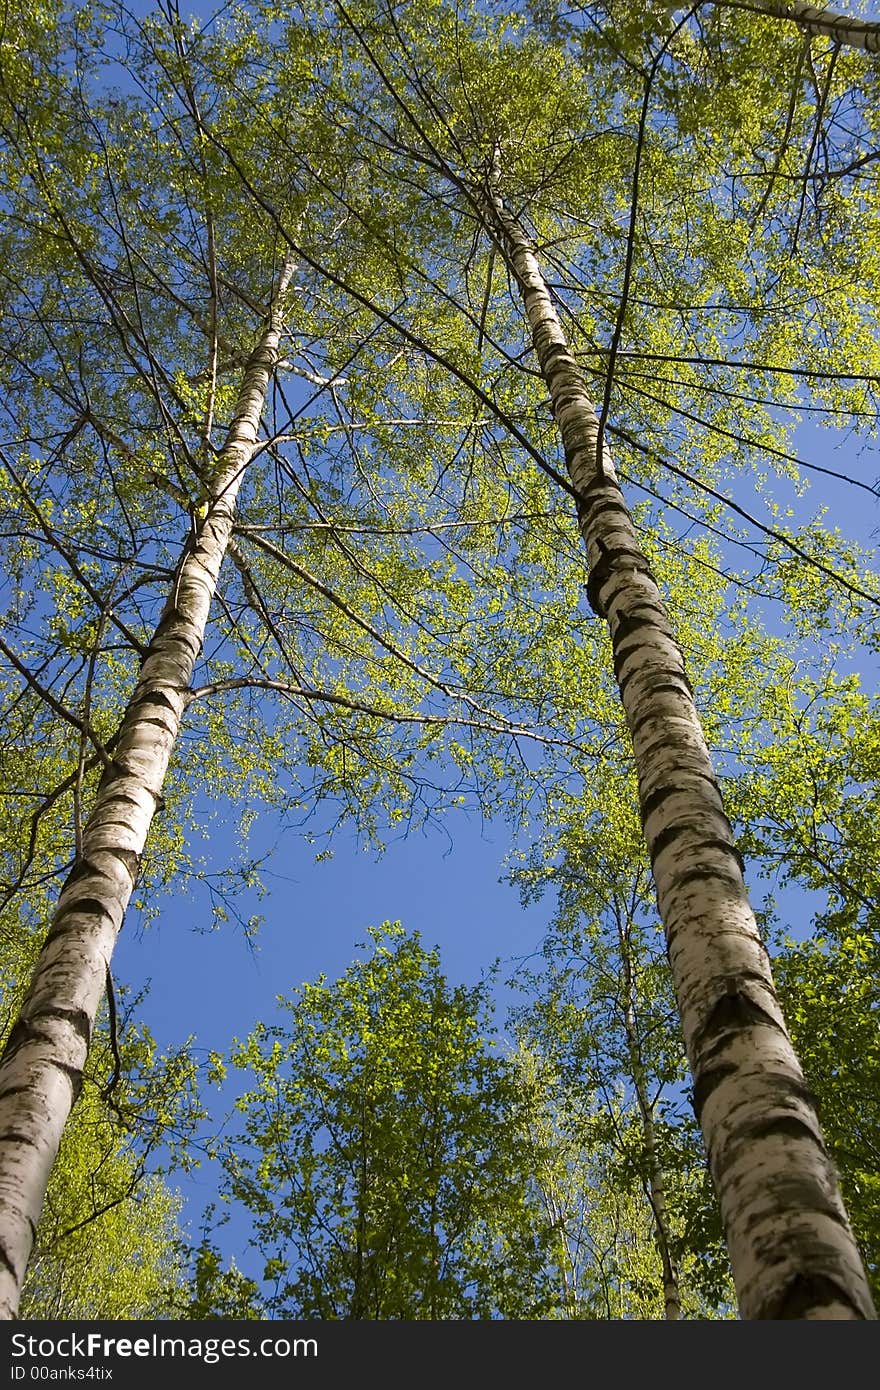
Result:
[42,1063]
[843,29]
[792,1252]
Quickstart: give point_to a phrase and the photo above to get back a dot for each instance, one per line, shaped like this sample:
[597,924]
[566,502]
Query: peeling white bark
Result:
[791,1248]
[42,1063]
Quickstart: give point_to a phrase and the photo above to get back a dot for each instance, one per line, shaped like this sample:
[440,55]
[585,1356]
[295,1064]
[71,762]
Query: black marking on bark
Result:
[724,845]
[809,1293]
[662,686]
[627,626]
[667,837]
[664,838]
[666,685]
[789,1126]
[666,679]
[155,723]
[704,875]
[577,432]
[662,683]
[650,611]
[655,799]
[169,618]
[612,561]
[154,697]
[578,443]
[108,1089]
[593,599]
[35,1034]
[781,1090]
[564,397]
[659,667]
[623,681]
[626,557]
[596,486]
[646,607]
[17,1136]
[75,1077]
[567,389]
[124,798]
[797,1193]
[130,860]
[114,822]
[28,1029]
[92,906]
[555,350]
[115,772]
[605,507]
[7,1264]
[756,977]
[565,369]
[706,1083]
[158,798]
[23,1089]
[734,1012]
[83,868]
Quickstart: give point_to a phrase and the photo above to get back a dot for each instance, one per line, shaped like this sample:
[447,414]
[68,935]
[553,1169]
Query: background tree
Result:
[381,1153]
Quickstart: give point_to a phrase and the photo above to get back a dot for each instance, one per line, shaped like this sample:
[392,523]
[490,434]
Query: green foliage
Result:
[600,1026]
[830,989]
[382,1156]
[402,628]
[213,1292]
[106,1245]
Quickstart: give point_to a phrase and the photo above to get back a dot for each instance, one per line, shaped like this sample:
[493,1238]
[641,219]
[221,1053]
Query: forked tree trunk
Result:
[42,1063]
[792,1252]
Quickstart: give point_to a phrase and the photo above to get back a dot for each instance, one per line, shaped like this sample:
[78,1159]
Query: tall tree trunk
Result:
[792,1252]
[42,1063]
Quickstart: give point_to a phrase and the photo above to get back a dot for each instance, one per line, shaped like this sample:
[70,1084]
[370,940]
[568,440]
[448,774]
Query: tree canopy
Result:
[402,417]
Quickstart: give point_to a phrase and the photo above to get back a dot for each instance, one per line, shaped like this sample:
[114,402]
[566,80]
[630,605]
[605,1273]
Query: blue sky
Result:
[212,983]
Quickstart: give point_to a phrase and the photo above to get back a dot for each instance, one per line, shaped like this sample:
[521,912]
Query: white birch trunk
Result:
[843,29]
[792,1252]
[42,1064]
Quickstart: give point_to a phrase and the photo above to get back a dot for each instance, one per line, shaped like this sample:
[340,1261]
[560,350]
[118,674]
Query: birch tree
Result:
[791,1248]
[772,1172]
[109,1241]
[137,307]
[41,1071]
[415,246]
